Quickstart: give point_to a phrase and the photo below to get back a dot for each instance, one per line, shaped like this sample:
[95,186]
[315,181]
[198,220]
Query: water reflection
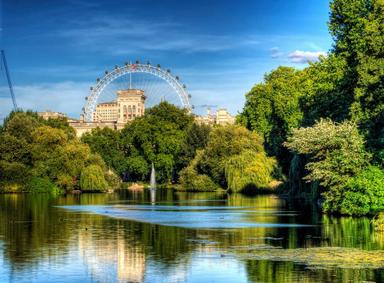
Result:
[42,242]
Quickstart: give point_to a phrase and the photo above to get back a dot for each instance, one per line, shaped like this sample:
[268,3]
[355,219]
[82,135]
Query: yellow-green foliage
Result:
[234,158]
[339,162]
[191,180]
[38,155]
[249,169]
[92,179]
[378,222]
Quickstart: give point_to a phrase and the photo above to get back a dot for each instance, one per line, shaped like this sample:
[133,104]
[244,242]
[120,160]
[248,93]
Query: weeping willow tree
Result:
[249,169]
[92,179]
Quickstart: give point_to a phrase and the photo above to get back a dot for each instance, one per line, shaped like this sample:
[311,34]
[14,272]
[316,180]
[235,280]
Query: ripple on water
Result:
[208,217]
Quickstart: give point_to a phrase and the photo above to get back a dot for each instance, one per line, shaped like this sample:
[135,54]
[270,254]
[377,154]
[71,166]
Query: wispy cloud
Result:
[299,56]
[126,35]
[276,53]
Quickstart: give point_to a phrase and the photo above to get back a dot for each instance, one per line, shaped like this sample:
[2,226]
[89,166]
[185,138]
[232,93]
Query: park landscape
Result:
[292,190]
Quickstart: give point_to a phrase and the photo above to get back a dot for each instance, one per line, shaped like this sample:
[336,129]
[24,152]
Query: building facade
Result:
[51,115]
[221,117]
[129,104]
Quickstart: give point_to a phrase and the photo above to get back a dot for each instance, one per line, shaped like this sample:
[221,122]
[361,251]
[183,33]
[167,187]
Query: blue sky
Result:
[220,49]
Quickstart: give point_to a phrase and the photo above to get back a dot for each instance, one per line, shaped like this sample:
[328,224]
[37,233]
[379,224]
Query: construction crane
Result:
[4,64]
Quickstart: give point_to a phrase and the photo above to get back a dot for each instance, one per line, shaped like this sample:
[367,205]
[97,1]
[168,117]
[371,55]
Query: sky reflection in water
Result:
[184,237]
[209,217]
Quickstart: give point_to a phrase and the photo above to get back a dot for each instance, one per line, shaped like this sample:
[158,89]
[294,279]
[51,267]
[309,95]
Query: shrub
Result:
[364,193]
[190,180]
[41,185]
[336,155]
[112,179]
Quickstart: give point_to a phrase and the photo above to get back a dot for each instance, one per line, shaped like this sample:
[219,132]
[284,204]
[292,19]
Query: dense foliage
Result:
[346,87]
[337,160]
[38,155]
[272,109]
[165,136]
[92,179]
[234,158]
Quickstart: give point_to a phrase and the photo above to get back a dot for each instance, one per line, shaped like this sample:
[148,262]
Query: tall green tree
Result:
[158,137]
[336,155]
[358,30]
[272,109]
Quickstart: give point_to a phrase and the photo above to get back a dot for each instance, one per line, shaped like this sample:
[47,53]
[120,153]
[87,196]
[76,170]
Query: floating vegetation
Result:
[325,257]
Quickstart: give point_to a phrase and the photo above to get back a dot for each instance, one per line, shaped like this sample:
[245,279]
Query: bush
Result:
[337,157]
[112,179]
[364,193]
[41,185]
[66,182]
[190,180]
[92,179]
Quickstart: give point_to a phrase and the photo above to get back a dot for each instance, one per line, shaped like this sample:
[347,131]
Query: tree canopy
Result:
[338,104]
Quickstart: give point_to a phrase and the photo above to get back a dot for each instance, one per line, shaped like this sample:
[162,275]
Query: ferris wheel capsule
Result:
[106,72]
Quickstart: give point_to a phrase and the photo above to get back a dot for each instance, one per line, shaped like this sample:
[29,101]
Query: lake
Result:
[129,236]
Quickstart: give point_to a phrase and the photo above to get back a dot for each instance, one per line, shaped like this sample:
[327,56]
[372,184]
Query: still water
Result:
[182,237]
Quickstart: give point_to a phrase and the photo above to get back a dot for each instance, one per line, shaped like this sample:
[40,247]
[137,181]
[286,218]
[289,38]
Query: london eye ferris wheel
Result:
[158,85]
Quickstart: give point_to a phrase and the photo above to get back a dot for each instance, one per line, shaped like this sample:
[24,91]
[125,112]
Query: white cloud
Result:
[299,56]
[67,97]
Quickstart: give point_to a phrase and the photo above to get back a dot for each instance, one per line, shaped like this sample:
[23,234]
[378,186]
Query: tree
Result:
[92,179]
[137,168]
[21,124]
[196,138]
[327,93]
[191,180]
[107,143]
[272,109]
[230,160]
[37,157]
[336,154]
[158,137]
[357,28]
[249,170]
